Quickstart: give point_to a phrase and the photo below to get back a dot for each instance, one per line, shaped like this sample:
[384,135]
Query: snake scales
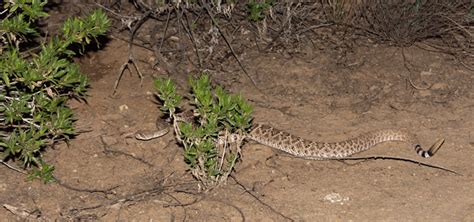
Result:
[308,149]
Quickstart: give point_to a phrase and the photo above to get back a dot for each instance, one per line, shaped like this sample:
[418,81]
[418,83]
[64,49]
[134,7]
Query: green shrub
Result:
[212,136]
[36,84]
[258,10]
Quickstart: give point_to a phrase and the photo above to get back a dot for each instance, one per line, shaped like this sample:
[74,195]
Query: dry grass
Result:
[206,33]
[443,25]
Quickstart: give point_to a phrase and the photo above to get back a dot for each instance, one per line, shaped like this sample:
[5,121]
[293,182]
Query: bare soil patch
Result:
[110,176]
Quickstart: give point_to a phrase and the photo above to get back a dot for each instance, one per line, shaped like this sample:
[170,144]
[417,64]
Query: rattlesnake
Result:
[308,149]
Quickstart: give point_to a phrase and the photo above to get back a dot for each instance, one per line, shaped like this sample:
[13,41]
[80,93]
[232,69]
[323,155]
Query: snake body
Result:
[308,149]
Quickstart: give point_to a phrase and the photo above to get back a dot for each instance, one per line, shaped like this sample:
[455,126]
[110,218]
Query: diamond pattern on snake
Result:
[303,148]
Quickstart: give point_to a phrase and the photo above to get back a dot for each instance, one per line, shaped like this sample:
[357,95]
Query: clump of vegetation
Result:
[436,25]
[257,11]
[212,135]
[407,22]
[36,82]
[211,28]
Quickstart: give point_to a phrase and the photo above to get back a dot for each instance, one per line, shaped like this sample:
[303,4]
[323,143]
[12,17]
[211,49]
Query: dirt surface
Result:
[108,175]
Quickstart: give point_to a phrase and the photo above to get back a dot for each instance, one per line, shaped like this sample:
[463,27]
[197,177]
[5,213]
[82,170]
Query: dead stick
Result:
[130,58]
[228,44]
[398,159]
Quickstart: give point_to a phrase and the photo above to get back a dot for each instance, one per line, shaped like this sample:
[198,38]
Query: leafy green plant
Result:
[44,173]
[258,10]
[212,136]
[36,83]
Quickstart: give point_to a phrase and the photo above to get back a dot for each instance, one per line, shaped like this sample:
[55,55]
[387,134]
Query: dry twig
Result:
[131,59]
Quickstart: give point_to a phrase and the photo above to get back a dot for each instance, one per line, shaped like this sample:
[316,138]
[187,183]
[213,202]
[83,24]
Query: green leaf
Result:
[5,78]
[36,85]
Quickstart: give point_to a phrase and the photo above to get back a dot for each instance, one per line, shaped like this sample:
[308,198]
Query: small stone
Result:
[123,108]
[108,140]
[336,198]
[3,187]
[439,86]
[425,93]
[152,59]
[174,38]
[426,73]
[373,88]
[117,205]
